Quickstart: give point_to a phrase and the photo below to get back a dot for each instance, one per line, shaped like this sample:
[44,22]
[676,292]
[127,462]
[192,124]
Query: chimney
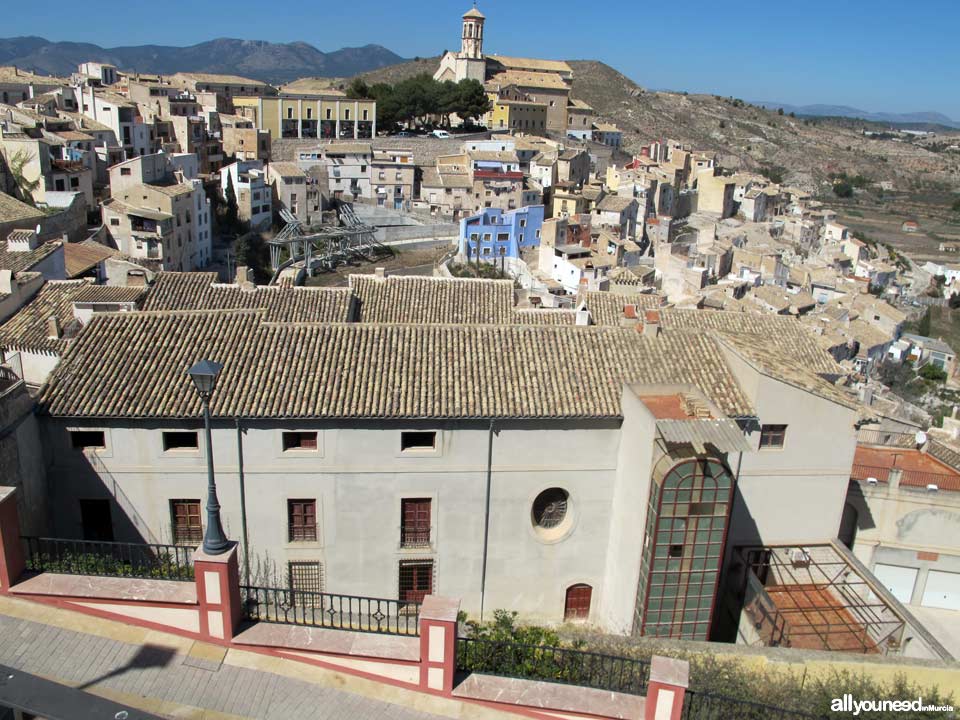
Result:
[244,275]
[6,282]
[53,328]
[380,273]
[651,324]
[583,315]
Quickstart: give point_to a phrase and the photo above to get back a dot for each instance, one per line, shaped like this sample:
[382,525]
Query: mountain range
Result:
[845,111]
[269,62]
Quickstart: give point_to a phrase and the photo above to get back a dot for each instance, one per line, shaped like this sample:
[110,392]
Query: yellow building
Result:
[516,115]
[299,115]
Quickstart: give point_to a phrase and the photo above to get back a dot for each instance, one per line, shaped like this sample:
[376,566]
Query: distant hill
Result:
[268,62]
[845,111]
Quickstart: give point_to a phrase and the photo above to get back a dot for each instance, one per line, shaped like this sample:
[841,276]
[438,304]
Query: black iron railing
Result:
[111,559]
[328,610]
[704,706]
[553,664]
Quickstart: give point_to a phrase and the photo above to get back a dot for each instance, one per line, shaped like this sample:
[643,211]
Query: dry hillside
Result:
[751,137]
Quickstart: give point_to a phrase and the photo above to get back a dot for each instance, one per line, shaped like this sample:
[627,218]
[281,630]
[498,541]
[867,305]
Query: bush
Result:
[932,372]
[843,189]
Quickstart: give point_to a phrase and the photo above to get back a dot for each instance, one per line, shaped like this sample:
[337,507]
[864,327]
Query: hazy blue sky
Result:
[881,55]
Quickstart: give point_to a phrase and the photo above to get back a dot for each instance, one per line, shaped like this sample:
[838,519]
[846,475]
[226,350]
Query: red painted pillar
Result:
[438,644]
[668,684]
[218,593]
[11,549]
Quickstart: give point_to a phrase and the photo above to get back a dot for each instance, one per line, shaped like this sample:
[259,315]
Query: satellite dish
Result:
[921,437]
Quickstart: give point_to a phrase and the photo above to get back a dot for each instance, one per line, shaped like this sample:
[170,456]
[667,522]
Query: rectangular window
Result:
[96,520]
[772,436]
[299,440]
[180,440]
[416,440]
[416,580]
[84,439]
[415,522]
[185,519]
[289,113]
[302,520]
[346,114]
[309,113]
[305,576]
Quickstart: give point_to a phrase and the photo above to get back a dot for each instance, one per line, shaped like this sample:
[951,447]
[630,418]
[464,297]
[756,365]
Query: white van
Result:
[442,134]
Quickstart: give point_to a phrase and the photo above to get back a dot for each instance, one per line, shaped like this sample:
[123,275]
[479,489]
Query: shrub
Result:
[932,372]
[843,189]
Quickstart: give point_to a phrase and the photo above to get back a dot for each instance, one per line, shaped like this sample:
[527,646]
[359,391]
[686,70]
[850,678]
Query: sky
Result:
[879,56]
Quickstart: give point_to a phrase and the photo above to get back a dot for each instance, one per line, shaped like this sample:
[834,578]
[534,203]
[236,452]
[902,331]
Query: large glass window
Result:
[683,550]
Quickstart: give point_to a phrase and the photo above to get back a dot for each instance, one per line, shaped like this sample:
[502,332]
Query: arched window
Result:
[577,604]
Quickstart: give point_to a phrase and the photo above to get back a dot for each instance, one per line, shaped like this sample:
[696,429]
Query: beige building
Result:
[242,140]
[293,115]
[392,177]
[294,191]
[47,164]
[229,87]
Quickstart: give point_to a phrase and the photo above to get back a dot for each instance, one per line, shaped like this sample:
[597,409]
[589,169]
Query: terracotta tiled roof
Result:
[27,329]
[80,257]
[785,334]
[433,300]
[91,293]
[135,365]
[545,316]
[607,308]
[19,261]
[200,291]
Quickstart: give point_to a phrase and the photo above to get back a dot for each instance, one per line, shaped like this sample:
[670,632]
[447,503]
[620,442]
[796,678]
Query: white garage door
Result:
[942,590]
[898,580]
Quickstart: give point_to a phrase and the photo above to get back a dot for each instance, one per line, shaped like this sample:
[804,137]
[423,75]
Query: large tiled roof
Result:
[776,332]
[433,300]
[543,81]
[16,261]
[27,329]
[607,308]
[534,64]
[135,365]
[787,368]
[200,291]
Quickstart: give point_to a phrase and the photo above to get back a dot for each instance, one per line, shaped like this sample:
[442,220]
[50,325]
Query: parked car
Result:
[403,134]
[442,134]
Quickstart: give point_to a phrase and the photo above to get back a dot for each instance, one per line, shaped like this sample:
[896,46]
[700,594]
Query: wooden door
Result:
[577,606]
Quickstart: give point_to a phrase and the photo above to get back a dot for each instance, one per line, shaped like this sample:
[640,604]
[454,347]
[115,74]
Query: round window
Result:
[550,508]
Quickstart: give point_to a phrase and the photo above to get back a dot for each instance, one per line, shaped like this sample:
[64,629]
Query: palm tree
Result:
[24,188]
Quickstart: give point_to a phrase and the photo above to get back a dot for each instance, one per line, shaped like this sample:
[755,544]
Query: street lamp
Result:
[204,375]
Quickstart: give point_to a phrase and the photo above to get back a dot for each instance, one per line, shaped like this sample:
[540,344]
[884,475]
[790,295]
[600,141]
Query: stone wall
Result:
[425,149]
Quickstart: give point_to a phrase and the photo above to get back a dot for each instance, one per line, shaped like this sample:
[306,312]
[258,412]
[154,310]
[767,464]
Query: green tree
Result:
[923,327]
[843,189]
[231,213]
[472,99]
[956,205]
[358,90]
[780,111]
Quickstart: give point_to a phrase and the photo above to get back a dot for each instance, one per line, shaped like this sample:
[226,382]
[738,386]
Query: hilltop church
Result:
[516,79]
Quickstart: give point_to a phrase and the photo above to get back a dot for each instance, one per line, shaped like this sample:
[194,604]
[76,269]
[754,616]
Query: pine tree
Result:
[232,213]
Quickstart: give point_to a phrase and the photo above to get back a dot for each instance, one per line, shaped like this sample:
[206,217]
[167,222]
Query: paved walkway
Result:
[176,677]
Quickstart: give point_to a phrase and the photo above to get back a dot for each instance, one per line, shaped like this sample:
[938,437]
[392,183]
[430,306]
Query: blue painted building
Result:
[498,233]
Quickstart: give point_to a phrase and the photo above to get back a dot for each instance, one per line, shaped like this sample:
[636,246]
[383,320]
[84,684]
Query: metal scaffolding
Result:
[811,597]
[325,247]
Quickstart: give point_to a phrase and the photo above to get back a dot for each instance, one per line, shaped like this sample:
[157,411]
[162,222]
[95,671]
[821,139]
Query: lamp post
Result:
[204,375]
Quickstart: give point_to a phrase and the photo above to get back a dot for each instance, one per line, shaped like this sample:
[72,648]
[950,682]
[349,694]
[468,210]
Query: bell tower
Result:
[471,43]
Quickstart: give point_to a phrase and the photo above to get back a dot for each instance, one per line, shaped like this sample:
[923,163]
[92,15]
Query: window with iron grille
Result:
[772,436]
[550,508]
[305,578]
[187,522]
[302,520]
[415,522]
[416,580]
[299,440]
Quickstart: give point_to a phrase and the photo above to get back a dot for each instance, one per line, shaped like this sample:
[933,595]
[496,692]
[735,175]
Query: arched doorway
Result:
[577,605]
